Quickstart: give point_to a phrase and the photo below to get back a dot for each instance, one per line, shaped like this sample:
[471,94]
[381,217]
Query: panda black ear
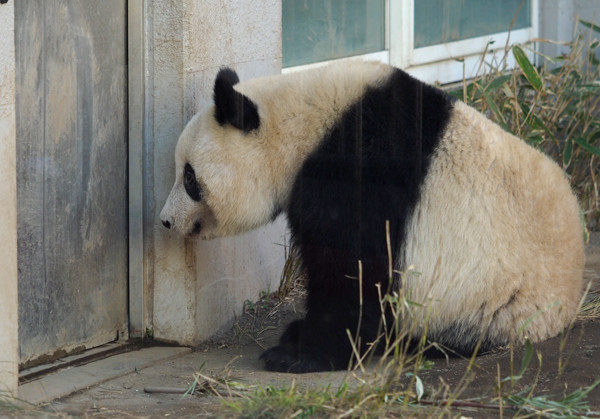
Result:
[232,106]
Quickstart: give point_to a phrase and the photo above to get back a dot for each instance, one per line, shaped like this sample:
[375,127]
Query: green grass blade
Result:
[528,69]
[580,394]
[526,357]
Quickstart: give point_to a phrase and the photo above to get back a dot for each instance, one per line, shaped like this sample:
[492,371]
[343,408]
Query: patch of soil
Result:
[558,367]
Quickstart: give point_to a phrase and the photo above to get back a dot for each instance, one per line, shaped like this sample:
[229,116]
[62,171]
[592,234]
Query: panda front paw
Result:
[283,359]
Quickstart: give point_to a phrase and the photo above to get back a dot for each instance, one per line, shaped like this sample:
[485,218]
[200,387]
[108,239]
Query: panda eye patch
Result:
[190,183]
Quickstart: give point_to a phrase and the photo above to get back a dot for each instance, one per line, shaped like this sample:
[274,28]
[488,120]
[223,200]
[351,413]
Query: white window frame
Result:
[442,63]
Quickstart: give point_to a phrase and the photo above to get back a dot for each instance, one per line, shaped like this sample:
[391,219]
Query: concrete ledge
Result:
[67,381]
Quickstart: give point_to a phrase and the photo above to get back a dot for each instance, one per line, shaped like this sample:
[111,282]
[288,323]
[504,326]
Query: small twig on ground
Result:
[165,390]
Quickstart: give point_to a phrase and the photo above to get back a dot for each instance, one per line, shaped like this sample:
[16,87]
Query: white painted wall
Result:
[557,21]
[9,357]
[194,289]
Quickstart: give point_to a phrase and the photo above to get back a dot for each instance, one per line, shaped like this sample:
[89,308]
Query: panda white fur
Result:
[490,224]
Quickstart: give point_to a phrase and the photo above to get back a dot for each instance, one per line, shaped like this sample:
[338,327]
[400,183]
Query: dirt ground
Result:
[559,366]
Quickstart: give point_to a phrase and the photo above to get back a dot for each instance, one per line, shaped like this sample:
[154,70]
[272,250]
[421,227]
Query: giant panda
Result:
[359,155]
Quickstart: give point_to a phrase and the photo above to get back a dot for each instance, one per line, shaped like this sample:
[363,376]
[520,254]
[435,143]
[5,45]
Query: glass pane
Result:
[439,21]
[318,30]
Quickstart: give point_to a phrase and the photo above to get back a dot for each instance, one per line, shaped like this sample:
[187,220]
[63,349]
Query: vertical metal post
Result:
[135,53]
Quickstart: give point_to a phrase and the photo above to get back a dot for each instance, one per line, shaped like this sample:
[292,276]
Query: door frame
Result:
[135,74]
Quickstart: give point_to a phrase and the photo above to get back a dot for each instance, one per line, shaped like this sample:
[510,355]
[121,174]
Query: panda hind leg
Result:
[306,347]
[320,342]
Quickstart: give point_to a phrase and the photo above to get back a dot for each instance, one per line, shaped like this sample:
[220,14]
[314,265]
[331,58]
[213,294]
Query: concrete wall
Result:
[194,289]
[8,205]
[191,290]
[557,21]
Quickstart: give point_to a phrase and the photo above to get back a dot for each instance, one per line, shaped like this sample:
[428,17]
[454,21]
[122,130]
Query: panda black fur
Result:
[490,224]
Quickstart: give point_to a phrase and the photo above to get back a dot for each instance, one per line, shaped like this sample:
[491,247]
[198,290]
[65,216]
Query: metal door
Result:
[71,174]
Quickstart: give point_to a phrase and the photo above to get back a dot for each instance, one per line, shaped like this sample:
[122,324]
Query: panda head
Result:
[220,186]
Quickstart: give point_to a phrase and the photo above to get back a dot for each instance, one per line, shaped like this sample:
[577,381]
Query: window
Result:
[458,20]
[318,30]
[435,40]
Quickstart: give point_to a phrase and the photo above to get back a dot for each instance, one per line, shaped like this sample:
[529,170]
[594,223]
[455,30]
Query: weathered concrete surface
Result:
[235,357]
[8,205]
[558,19]
[70,380]
[194,289]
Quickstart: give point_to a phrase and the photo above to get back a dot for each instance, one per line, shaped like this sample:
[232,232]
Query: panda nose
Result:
[166,223]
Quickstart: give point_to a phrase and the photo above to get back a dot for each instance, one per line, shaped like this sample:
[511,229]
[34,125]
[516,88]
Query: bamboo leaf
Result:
[528,69]
[474,91]
[590,25]
[535,139]
[567,153]
[497,82]
[588,147]
[496,111]
[589,87]
[535,122]
[457,94]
